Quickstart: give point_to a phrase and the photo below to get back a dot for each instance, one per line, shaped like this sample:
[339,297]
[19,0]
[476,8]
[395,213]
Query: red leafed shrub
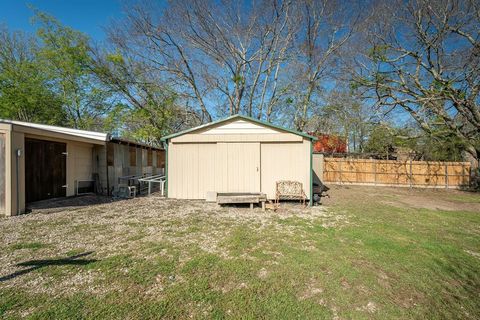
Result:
[329,143]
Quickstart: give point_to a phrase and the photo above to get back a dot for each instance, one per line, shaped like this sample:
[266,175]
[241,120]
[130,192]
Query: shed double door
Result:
[45,170]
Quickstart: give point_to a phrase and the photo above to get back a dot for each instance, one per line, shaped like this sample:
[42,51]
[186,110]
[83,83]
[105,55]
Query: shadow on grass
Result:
[60,204]
[38,264]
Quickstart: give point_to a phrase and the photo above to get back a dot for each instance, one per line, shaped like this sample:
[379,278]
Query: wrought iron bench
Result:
[290,190]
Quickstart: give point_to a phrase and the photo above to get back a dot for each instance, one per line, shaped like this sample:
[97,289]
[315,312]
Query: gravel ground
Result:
[103,227]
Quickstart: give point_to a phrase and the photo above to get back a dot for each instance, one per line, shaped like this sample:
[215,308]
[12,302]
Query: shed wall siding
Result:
[9,207]
[79,165]
[191,170]
[317,167]
[285,161]
[238,167]
[123,156]
[276,137]
[197,168]
[17,142]
[100,167]
[2,172]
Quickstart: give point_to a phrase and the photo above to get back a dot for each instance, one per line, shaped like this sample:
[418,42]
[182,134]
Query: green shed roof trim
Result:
[238,116]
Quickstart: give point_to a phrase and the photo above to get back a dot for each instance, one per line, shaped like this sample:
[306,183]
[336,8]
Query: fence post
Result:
[374,172]
[321,168]
[341,163]
[446,176]
[469,175]
[411,174]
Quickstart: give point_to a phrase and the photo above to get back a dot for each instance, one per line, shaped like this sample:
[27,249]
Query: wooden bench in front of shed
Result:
[290,190]
[233,198]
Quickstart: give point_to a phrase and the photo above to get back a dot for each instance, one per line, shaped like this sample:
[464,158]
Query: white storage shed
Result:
[236,154]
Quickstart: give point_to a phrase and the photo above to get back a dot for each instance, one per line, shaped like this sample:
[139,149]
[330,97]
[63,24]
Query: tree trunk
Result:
[471,155]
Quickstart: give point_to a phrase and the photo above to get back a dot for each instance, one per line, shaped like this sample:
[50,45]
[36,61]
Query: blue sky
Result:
[88,16]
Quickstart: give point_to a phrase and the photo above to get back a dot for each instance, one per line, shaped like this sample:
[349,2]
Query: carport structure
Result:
[40,162]
[238,154]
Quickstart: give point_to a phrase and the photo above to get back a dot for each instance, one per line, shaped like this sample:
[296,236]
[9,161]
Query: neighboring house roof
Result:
[242,117]
[92,135]
[120,140]
[330,143]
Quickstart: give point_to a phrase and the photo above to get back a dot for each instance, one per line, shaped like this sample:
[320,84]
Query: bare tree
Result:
[152,102]
[240,46]
[424,57]
[326,27]
[156,41]
[345,115]
[224,55]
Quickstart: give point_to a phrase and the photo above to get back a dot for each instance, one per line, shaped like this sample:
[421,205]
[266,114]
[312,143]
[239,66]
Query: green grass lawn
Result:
[361,256]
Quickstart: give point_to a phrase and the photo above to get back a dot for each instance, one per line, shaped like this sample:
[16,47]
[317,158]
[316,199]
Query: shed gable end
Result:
[239,126]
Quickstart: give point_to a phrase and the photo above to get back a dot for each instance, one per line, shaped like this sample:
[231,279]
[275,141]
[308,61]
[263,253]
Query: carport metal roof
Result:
[69,132]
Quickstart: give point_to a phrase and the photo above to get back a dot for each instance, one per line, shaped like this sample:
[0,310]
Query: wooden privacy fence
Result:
[426,174]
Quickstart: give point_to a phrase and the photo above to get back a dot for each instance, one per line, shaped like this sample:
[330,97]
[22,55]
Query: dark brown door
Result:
[45,169]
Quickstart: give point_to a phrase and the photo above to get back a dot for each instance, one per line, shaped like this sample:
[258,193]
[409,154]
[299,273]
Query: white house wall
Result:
[79,164]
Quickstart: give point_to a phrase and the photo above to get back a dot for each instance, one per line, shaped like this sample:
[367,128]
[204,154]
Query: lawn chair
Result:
[290,190]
